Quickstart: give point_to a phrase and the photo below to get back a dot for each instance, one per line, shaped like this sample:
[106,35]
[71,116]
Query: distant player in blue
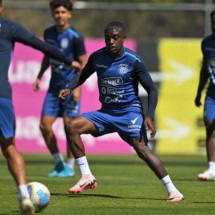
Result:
[119,71]
[63,36]
[10,33]
[207,74]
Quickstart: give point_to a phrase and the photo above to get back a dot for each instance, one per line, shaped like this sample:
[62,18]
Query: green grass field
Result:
[126,186]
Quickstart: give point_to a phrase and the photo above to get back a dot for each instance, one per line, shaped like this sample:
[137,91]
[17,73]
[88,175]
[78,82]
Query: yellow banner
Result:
[179,121]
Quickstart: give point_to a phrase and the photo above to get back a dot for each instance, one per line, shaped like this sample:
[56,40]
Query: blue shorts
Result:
[127,124]
[209,109]
[53,106]
[7,118]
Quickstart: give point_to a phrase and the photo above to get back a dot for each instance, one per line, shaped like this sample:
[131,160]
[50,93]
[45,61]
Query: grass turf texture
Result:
[126,186]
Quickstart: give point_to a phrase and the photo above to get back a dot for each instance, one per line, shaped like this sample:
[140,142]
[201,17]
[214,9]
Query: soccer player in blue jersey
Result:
[10,33]
[119,70]
[63,36]
[207,74]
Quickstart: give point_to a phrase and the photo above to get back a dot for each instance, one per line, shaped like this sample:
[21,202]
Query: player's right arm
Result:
[44,66]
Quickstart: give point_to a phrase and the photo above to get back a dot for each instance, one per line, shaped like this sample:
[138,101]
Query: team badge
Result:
[123,69]
[64,43]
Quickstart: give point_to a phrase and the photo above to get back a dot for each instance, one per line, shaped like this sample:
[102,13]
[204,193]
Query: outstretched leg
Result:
[157,167]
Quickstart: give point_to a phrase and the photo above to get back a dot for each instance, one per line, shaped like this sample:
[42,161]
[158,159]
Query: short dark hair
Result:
[116,25]
[57,3]
[0,2]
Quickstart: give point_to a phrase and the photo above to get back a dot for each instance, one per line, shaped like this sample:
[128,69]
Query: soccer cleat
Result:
[57,169]
[27,207]
[86,182]
[207,175]
[175,196]
[66,172]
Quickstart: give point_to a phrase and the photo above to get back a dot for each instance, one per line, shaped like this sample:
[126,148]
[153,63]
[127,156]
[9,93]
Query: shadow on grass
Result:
[99,195]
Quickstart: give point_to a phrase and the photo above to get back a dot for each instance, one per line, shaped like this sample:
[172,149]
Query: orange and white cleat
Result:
[86,182]
[175,196]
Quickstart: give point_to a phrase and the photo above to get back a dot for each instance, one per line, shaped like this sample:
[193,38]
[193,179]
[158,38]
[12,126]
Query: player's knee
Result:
[45,128]
[71,126]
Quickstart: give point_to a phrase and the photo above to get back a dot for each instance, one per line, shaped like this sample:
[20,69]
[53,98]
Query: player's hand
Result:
[76,65]
[64,93]
[36,85]
[149,125]
[198,101]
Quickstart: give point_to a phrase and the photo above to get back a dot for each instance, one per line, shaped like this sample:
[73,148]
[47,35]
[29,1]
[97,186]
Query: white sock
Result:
[83,165]
[167,182]
[58,157]
[70,162]
[23,192]
[211,165]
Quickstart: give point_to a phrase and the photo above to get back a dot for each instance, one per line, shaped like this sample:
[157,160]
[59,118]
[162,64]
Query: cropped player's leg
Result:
[15,161]
[75,128]
[68,170]
[16,166]
[51,143]
[209,174]
[157,167]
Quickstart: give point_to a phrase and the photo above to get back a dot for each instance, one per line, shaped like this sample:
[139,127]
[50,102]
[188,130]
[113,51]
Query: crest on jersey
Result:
[64,43]
[123,69]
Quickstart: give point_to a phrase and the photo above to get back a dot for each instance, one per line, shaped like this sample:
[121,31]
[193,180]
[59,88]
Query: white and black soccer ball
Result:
[39,195]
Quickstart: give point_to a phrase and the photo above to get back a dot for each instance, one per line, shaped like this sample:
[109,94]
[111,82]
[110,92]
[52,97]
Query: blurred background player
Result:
[11,32]
[119,70]
[207,73]
[63,36]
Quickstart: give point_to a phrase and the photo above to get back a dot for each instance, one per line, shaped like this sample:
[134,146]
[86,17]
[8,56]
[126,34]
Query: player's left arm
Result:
[147,83]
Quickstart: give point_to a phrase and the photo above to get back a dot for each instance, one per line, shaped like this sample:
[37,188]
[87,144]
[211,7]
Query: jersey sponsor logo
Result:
[64,43]
[101,66]
[123,69]
[111,81]
[112,91]
[109,100]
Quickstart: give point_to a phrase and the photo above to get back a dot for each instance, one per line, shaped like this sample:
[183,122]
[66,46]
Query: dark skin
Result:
[114,39]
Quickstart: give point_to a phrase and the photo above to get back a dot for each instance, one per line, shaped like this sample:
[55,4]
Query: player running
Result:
[119,71]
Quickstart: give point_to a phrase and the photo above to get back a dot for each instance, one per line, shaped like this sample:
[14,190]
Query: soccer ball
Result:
[39,195]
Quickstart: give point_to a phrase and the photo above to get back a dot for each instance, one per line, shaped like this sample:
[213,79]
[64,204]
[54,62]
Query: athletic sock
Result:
[83,165]
[58,157]
[211,165]
[23,192]
[70,162]
[167,182]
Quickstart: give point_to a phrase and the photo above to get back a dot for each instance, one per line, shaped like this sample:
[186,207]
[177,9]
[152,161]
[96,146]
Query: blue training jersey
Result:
[118,80]
[71,43]
[11,32]
[208,50]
